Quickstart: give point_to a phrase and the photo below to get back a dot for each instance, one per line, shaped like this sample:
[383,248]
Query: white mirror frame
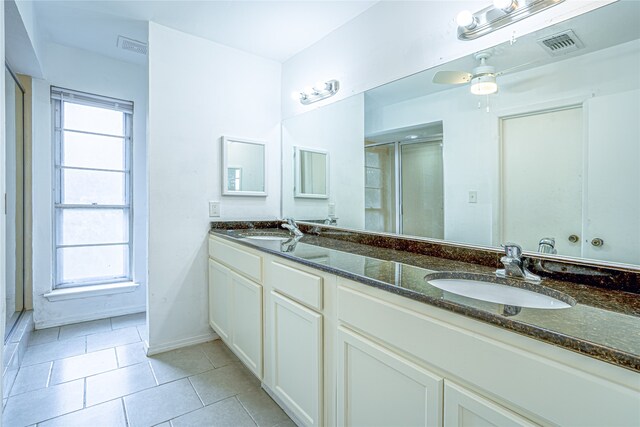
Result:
[226,140]
[297,158]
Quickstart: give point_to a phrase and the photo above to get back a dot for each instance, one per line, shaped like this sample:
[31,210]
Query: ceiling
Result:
[275,30]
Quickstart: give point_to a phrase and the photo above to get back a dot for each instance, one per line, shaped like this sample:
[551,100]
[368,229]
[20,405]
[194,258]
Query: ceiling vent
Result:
[132,45]
[561,43]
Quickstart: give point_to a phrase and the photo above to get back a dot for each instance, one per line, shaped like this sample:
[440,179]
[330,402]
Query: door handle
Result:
[597,242]
[574,238]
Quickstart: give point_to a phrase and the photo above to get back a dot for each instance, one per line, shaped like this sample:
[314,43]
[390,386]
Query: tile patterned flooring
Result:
[97,374]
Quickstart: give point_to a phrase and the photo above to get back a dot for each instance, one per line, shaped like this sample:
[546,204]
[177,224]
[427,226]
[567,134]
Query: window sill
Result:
[91,291]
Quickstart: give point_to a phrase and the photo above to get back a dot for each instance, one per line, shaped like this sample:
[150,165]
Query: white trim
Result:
[63,294]
[198,339]
[102,314]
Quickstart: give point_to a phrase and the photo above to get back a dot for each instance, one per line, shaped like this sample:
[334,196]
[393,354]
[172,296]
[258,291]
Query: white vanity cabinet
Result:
[298,340]
[516,381]
[235,302]
[377,387]
[463,408]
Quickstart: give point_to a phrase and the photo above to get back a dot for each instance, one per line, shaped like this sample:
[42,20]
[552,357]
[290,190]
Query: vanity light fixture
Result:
[501,13]
[320,91]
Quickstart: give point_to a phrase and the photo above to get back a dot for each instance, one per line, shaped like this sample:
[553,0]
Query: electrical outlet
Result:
[332,209]
[214,209]
[473,197]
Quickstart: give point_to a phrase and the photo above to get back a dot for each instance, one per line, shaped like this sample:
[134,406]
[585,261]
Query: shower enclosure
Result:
[14,203]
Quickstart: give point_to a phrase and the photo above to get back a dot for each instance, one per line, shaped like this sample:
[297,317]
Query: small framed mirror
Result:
[243,167]
[311,173]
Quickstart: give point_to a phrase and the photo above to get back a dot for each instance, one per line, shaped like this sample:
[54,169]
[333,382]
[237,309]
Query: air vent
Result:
[561,43]
[132,45]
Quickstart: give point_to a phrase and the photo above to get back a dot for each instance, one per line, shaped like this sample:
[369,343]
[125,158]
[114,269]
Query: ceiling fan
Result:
[482,77]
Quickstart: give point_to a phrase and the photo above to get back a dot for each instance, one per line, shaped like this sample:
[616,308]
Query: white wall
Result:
[471,135]
[374,49]
[339,129]
[89,72]
[198,92]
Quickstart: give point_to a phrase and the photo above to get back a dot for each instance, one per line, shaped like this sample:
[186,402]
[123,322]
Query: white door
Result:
[246,318]
[219,299]
[377,387]
[542,178]
[296,358]
[463,408]
[613,178]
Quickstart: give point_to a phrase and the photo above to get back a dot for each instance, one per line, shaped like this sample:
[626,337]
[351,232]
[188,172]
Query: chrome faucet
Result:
[547,245]
[331,220]
[513,266]
[291,225]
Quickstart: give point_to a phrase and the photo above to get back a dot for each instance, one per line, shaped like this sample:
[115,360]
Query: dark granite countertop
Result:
[604,323]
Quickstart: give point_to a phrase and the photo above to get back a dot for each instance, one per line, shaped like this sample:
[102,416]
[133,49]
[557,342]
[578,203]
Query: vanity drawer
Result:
[299,285]
[242,261]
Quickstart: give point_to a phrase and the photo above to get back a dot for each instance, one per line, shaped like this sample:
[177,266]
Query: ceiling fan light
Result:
[484,85]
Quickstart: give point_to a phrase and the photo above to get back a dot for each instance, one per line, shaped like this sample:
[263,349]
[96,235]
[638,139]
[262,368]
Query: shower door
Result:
[14,204]
[404,190]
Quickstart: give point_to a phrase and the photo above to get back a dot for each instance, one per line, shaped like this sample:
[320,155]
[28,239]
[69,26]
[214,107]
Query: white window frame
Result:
[58,97]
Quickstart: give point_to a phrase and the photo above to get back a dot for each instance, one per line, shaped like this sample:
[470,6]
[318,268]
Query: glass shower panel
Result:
[380,188]
[14,178]
[422,189]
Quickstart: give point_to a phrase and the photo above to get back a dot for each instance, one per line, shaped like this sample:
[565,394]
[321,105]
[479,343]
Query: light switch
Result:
[214,209]
[473,197]
[332,209]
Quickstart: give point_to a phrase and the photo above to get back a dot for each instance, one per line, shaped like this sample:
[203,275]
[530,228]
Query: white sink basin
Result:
[268,238]
[497,293]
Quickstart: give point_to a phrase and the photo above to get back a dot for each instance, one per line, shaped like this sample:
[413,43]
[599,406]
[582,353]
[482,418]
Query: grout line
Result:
[153,372]
[84,392]
[245,409]
[49,375]
[126,414]
[196,391]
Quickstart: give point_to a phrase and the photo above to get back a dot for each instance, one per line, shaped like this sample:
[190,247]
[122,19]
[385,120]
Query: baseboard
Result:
[156,349]
[282,406]
[102,314]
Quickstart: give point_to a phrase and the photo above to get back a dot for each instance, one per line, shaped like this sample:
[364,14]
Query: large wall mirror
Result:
[243,167]
[553,154]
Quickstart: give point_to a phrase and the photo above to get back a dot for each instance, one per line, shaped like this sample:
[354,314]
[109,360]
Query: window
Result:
[92,203]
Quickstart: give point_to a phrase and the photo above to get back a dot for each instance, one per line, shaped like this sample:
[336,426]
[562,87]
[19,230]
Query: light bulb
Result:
[465,19]
[320,86]
[308,90]
[506,5]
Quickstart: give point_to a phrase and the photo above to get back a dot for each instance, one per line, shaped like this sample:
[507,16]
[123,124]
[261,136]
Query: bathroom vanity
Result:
[343,329]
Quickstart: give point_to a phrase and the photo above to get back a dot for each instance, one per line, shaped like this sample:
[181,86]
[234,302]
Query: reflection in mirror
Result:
[312,173]
[336,128]
[550,161]
[243,167]
[403,181]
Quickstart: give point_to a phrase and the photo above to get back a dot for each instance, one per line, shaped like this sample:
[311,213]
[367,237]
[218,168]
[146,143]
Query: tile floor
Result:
[97,374]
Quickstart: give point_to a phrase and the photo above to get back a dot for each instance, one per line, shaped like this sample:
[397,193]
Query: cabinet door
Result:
[296,358]
[463,408]
[219,299]
[246,318]
[377,387]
